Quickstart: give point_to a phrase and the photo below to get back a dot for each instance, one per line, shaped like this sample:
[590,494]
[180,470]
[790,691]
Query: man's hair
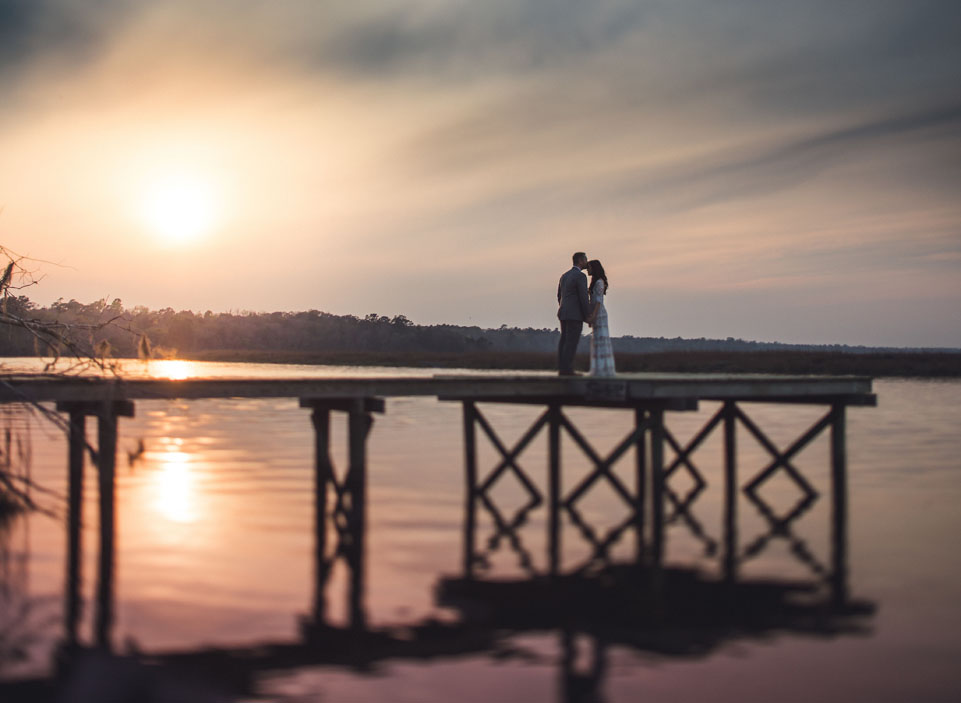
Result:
[578,256]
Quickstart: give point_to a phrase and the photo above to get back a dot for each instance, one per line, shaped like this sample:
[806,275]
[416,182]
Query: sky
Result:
[761,169]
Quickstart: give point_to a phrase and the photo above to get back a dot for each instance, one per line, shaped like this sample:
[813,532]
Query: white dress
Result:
[602,355]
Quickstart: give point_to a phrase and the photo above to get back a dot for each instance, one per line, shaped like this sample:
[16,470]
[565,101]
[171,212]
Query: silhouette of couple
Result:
[575,307]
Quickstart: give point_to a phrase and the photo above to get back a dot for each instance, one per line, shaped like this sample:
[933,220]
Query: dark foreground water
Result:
[215,550]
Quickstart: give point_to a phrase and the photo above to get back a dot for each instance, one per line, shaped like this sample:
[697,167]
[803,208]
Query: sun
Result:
[180,210]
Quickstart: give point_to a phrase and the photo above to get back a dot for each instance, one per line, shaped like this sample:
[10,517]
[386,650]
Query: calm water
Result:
[214,527]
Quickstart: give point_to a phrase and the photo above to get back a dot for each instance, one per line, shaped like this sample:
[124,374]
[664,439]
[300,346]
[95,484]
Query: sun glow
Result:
[174,369]
[180,210]
[175,488]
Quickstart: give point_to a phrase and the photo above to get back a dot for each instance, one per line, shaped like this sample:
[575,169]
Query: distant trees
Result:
[58,330]
[185,331]
[87,328]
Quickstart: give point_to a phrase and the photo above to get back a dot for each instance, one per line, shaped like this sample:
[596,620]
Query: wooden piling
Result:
[106,466]
[359,422]
[657,487]
[470,494]
[323,469]
[730,492]
[554,490]
[839,576]
[77,441]
[640,449]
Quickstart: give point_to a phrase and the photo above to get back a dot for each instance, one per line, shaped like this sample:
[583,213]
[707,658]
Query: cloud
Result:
[784,165]
[66,33]
[445,42]
[567,181]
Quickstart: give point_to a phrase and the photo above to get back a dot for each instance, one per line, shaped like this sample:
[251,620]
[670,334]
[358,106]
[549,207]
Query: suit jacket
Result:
[572,296]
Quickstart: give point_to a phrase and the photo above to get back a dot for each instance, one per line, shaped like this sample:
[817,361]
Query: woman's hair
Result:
[596,269]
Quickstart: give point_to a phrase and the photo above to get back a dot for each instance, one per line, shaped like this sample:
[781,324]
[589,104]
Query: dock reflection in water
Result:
[615,604]
[215,577]
[680,614]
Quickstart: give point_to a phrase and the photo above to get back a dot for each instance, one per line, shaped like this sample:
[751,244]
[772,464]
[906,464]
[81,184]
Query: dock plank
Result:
[626,389]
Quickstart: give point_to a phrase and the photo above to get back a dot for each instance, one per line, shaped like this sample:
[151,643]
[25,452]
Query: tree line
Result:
[105,328]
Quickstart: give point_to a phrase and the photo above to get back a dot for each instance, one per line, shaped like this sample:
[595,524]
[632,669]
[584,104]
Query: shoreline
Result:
[874,364]
[892,364]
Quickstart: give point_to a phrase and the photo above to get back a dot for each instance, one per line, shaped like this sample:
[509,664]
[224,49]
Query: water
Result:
[215,517]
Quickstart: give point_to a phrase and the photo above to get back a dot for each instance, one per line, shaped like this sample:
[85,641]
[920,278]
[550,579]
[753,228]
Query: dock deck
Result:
[625,390]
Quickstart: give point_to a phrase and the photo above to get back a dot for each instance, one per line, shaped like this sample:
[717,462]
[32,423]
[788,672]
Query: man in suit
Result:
[573,309]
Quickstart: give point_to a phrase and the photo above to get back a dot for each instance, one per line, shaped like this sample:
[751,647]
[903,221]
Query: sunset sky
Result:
[763,169]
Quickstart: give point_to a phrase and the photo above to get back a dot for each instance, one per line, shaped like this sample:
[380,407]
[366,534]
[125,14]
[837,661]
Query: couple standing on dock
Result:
[575,307]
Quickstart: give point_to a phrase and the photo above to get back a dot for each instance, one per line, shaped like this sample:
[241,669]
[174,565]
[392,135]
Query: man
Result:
[573,309]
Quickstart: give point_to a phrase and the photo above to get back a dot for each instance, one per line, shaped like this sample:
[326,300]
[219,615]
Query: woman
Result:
[602,355]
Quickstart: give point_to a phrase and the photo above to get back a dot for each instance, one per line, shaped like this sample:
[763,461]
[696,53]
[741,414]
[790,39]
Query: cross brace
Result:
[648,518]
[347,513]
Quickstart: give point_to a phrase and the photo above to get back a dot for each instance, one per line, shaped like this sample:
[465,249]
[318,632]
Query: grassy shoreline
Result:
[893,364]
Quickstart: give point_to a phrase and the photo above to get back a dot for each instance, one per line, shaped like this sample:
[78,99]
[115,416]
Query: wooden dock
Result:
[624,390]
[341,495]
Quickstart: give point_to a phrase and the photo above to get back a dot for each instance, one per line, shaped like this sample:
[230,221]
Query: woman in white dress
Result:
[602,355]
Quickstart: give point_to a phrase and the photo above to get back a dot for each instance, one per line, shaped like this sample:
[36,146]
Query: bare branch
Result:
[58,340]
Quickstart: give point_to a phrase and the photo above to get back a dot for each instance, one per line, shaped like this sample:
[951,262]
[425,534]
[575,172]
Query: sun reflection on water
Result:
[175,488]
[174,369]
